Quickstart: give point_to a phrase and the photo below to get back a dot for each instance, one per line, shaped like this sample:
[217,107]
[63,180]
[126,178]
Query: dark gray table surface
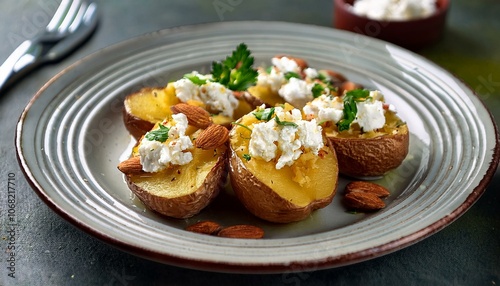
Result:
[50,251]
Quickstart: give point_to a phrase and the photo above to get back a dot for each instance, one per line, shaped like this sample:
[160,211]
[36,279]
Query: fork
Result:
[72,22]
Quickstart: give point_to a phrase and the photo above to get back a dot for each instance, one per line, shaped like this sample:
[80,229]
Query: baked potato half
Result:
[372,156]
[178,172]
[143,109]
[367,134]
[277,192]
[183,191]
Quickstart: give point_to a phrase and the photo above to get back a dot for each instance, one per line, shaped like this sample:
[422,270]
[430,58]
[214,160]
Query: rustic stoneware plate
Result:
[70,139]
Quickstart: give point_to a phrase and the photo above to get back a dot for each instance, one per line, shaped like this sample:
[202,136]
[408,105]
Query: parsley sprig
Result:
[264,114]
[160,134]
[350,108]
[289,75]
[236,71]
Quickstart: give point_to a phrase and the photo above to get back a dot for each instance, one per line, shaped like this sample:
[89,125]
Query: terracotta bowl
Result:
[410,34]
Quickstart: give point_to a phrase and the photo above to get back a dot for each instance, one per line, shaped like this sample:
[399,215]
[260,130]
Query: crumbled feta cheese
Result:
[285,65]
[289,146]
[156,156]
[311,73]
[376,95]
[297,92]
[218,97]
[291,141]
[394,9]
[310,135]
[325,108]
[261,144]
[186,90]
[370,115]
[275,79]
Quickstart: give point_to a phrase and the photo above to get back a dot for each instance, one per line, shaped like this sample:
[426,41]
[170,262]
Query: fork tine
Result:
[58,15]
[78,17]
[70,15]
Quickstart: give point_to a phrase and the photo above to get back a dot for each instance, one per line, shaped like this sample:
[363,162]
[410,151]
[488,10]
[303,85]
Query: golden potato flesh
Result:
[281,195]
[146,107]
[183,191]
[266,95]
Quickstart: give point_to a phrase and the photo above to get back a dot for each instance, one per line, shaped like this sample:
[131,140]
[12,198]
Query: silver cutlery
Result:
[72,23]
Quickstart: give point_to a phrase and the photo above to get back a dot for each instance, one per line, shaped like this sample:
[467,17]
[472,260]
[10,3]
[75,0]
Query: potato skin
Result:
[188,205]
[370,157]
[136,126]
[262,201]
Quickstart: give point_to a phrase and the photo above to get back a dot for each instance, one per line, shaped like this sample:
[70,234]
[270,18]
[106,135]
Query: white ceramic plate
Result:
[71,137]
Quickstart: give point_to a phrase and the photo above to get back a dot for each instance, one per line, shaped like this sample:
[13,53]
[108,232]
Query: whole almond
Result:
[196,116]
[242,231]
[363,201]
[366,187]
[131,166]
[214,136]
[205,227]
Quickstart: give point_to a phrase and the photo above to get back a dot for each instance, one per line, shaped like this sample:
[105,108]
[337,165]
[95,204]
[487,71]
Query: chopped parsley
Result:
[289,75]
[285,123]
[317,90]
[236,71]
[195,79]
[350,108]
[160,134]
[264,114]
[327,81]
[247,157]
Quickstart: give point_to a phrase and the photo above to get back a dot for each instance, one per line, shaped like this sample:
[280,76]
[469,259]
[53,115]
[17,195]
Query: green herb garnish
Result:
[289,75]
[247,157]
[285,123]
[241,125]
[160,134]
[236,71]
[264,114]
[326,80]
[322,77]
[350,108]
[196,80]
[317,90]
